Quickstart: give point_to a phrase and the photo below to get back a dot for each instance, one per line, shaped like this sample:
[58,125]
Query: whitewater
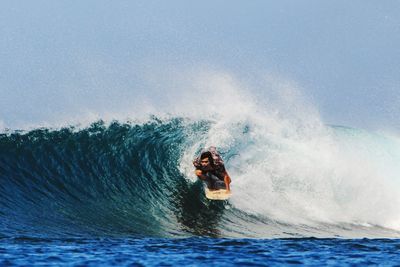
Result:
[292,174]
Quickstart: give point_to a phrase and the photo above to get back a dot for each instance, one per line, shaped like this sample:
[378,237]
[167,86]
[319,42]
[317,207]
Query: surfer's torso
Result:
[210,168]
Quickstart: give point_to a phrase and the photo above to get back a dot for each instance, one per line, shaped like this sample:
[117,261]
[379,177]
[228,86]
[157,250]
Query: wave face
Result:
[126,179]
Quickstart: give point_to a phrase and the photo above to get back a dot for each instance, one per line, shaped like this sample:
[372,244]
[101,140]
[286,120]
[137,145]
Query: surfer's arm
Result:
[200,174]
[227,180]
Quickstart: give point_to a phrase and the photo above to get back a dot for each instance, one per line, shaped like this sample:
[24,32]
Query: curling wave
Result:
[126,179]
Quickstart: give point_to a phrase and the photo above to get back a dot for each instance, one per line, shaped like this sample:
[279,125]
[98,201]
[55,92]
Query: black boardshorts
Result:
[214,183]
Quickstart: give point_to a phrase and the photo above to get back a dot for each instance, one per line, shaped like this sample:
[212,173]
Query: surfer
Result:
[210,169]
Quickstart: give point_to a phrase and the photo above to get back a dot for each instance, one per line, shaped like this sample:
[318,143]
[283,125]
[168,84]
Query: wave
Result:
[126,179]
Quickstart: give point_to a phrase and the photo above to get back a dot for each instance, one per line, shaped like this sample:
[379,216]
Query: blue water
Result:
[118,195]
[199,252]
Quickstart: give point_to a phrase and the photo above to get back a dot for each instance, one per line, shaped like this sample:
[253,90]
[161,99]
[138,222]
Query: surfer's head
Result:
[206,159]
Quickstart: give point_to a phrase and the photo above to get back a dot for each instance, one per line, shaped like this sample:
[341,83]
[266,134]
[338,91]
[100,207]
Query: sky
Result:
[60,59]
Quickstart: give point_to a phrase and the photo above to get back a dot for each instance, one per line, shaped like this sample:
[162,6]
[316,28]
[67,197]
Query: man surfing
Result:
[210,169]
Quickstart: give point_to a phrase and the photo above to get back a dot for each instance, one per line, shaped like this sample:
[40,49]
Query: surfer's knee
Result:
[198,172]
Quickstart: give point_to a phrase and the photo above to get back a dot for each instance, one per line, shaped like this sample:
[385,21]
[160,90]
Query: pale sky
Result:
[59,58]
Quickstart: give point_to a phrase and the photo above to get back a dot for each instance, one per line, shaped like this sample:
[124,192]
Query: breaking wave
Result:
[290,179]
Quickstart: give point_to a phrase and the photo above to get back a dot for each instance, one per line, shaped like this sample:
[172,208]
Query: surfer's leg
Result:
[219,185]
[207,179]
[209,184]
[216,183]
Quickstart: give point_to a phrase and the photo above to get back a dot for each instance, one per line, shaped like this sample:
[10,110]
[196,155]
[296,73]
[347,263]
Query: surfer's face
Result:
[205,162]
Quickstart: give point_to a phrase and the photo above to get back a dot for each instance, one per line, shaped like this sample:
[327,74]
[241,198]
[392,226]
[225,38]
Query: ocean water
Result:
[199,252]
[125,194]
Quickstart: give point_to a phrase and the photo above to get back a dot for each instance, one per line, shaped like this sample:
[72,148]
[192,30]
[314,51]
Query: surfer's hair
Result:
[208,155]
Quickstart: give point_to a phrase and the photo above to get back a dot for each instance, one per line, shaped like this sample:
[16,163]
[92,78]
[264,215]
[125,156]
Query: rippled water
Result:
[199,252]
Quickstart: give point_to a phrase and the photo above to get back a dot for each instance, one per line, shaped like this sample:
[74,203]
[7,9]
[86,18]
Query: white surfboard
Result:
[221,194]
